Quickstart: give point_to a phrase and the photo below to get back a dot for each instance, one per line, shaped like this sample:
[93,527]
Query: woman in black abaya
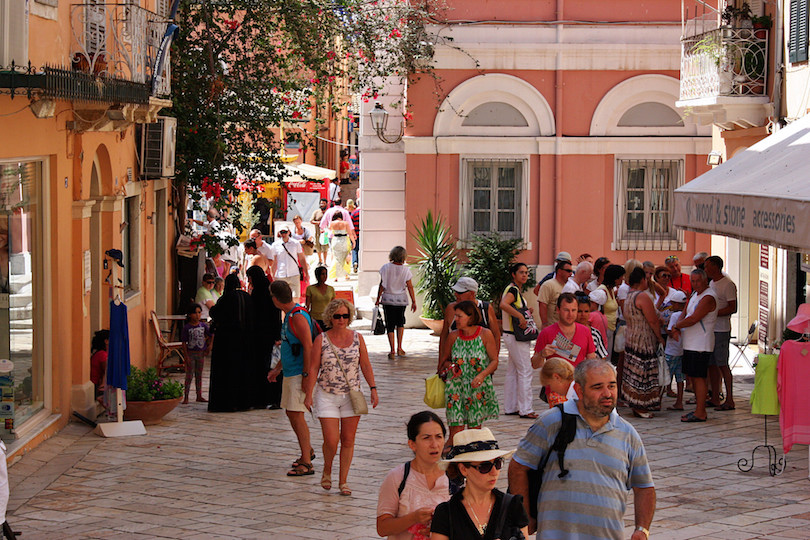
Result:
[232,355]
[267,330]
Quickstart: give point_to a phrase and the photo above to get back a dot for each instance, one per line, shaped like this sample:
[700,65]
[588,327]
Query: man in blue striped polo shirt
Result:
[605,460]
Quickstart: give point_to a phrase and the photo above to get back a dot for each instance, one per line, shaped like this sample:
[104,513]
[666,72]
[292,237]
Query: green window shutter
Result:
[798,31]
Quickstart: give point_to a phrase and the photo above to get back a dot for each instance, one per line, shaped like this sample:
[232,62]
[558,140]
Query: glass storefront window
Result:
[21,359]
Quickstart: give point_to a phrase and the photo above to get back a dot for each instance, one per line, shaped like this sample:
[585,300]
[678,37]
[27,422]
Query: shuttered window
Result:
[798,31]
[492,197]
[644,204]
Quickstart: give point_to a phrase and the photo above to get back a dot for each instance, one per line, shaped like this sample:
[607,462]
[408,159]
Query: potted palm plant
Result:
[437,264]
[149,396]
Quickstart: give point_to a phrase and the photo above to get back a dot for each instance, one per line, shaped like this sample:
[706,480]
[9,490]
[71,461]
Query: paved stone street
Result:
[201,475]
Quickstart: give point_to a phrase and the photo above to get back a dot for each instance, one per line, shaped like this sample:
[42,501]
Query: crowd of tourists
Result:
[606,336]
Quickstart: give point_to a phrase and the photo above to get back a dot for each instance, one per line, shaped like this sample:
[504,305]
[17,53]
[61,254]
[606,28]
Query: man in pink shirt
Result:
[566,338]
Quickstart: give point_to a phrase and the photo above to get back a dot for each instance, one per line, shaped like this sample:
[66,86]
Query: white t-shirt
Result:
[621,294]
[334,191]
[571,286]
[724,291]
[700,336]
[287,264]
[394,278]
[266,250]
[674,348]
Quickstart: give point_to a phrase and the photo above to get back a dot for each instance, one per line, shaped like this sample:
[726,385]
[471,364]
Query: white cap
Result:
[599,296]
[465,284]
[678,296]
[563,256]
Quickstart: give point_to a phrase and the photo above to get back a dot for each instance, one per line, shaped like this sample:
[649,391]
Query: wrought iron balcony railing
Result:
[121,41]
[724,62]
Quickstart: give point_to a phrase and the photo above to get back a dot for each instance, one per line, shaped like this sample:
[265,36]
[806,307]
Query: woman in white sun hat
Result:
[492,514]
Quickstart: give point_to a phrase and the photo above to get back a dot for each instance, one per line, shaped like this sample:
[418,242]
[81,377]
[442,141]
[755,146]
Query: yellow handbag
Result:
[434,392]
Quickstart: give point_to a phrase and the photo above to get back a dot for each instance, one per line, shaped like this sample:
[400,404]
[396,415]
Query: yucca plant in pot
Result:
[438,268]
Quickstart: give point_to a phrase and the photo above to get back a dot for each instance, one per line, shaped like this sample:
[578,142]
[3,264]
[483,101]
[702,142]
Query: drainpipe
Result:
[777,65]
[558,128]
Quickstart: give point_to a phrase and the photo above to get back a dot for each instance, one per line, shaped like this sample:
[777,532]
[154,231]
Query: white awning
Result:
[761,195]
[301,171]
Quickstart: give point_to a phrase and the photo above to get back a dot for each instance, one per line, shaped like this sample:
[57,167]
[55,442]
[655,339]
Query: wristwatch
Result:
[305,374]
[644,530]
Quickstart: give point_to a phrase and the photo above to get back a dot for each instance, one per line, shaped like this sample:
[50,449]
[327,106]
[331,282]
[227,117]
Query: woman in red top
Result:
[98,359]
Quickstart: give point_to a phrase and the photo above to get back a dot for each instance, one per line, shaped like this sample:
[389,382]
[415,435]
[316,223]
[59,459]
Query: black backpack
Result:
[568,430]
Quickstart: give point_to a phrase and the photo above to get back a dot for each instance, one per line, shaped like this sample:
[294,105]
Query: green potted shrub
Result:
[489,260]
[438,268]
[149,396]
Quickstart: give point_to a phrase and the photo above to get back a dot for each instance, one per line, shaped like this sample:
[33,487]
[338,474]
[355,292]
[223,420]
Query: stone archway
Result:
[98,181]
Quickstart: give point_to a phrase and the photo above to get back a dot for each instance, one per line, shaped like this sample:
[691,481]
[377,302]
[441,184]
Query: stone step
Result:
[22,312]
[21,324]
[19,300]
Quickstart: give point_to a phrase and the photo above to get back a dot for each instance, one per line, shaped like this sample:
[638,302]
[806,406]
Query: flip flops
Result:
[725,407]
[691,418]
[530,416]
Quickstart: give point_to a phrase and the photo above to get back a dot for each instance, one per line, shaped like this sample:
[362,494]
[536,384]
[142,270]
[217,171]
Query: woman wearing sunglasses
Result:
[479,510]
[339,355]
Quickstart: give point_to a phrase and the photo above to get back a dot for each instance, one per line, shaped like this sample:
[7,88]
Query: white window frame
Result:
[466,195]
[624,240]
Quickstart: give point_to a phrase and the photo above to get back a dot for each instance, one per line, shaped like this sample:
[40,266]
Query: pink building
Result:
[555,122]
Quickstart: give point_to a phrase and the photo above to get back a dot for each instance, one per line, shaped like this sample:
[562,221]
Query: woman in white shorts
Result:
[338,357]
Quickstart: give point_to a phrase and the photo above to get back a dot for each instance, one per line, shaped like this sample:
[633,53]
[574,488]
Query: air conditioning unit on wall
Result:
[13,33]
[157,144]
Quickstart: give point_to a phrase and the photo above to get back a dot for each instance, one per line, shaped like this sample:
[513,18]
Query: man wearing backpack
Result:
[297,332]
[588,501]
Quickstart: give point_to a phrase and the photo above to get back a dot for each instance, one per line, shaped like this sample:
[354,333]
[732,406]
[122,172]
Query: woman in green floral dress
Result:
[473,359]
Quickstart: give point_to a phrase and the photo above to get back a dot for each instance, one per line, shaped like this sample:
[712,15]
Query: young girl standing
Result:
[196,338]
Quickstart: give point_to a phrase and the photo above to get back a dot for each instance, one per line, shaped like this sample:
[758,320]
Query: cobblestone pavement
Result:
[201,475]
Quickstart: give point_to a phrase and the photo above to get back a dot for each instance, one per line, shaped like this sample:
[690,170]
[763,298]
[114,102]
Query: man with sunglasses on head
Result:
[678,280]
[605,459]
[550,291]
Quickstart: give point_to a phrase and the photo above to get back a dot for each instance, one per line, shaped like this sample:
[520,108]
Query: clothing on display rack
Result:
[764,398]
[794,372]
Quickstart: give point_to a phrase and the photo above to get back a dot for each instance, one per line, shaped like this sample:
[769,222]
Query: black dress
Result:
[267,325]
[232,353]
[452,520]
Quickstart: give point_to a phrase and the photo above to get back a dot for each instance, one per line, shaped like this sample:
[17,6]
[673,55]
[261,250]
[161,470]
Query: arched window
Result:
[495,114]
[650,114]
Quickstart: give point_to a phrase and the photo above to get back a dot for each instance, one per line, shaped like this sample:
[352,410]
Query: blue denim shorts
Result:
[674,363]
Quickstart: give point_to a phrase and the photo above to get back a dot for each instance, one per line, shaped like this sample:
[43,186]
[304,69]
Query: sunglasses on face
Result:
[486,466]
[338,316]
[569,270]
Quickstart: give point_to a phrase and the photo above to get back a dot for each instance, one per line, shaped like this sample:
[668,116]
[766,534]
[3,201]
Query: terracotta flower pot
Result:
[150,412]
[433,324]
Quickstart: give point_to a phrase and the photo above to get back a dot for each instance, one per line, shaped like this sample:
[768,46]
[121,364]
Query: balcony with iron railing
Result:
[121,41]
[724,74]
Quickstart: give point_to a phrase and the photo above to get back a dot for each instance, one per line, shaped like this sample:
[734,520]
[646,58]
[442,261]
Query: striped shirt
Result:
[590,501]
[601,350]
